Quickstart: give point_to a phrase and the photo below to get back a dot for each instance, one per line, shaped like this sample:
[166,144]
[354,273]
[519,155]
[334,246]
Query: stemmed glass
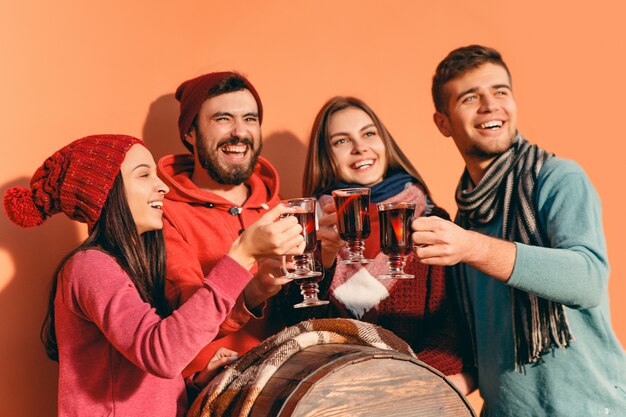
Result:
[353,221]
[304,270]
[309,287]
[395,236]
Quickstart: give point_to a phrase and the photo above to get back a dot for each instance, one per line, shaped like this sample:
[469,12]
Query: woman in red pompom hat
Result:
[120,349]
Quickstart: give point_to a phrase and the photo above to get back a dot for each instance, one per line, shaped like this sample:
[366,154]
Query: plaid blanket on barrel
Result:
[234,391]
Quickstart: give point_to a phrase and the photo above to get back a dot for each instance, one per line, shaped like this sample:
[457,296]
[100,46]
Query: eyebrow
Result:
[141,166]
[474,89]
[224,113]
[360,130]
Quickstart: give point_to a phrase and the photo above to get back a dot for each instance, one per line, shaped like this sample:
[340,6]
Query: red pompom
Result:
[19,206]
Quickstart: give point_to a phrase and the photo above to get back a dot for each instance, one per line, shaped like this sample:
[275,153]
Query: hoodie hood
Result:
[176,170]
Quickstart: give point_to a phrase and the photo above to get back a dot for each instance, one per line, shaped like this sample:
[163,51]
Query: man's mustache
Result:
[236,141]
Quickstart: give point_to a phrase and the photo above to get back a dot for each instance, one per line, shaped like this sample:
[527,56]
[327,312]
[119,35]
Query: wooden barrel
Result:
[350,380]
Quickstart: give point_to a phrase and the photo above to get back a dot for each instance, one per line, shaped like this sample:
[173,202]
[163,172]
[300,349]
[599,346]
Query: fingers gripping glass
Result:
[395,236]
[353,221]
[305,269]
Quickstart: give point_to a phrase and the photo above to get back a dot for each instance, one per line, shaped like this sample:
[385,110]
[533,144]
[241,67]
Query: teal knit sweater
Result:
[588,378]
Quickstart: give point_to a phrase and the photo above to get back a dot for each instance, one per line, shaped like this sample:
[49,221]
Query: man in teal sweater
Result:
[529,255]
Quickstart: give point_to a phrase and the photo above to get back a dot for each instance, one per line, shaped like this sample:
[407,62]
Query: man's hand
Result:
[270,235]
[441,242]
[221,358]
[266,283]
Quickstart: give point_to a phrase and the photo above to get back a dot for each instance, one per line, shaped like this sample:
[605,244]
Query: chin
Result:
[150,228]
[372,182]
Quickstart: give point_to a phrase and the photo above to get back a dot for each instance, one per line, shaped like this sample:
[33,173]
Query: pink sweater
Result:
[117,357]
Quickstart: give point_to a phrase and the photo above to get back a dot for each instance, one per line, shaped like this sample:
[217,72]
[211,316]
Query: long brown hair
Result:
[142,257]
[320,170]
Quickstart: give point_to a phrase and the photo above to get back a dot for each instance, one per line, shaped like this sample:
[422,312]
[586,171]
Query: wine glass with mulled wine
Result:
[353,221]
[305,213]
[309,286]
[306,269]
[395,236]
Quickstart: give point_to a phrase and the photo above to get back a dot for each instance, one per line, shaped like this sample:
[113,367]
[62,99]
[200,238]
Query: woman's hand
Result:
[328,234]
[221,358]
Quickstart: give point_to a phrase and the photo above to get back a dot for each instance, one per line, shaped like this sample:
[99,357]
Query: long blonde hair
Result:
[320,170]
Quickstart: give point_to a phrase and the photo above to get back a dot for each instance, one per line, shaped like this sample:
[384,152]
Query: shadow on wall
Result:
[287,153]
[160,130]
[35,253]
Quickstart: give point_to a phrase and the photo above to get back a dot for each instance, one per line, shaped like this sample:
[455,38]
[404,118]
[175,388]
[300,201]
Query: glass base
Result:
[302,275]
[356,261]
[396,276]
[310,302]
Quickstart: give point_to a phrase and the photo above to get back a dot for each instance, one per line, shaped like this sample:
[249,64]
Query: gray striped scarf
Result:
[507,188]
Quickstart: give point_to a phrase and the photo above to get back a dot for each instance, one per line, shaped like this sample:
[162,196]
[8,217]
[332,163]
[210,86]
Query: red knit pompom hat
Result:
[192,93]
[75,180]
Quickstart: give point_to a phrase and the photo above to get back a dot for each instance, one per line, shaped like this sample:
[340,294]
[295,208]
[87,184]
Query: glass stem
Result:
[309,290]
[396,264]
[355,249]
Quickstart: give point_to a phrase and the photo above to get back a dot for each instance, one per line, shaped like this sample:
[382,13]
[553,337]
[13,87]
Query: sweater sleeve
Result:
[101,292]
[574,269]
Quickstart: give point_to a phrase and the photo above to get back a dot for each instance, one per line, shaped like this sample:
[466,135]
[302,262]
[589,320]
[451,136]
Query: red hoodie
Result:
[199,229]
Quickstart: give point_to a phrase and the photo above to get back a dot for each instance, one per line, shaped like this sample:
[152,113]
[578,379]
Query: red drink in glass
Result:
[305,213]
[395,236]
[353,221]
[395,230]
[307,221]
[353,218]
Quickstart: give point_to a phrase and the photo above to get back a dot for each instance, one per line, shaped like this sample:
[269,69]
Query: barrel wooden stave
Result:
[347,380]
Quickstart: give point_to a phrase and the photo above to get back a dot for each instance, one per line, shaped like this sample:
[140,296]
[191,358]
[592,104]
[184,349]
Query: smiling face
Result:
[227,137]
[144,189]
[480,114]
[356,147]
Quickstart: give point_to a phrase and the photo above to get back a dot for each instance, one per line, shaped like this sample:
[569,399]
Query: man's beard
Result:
[231,174]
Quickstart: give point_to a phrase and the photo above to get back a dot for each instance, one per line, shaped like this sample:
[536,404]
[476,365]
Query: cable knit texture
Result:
[74,180]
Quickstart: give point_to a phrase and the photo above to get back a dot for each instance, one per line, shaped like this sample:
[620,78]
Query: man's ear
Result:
[190,136]
[442,122]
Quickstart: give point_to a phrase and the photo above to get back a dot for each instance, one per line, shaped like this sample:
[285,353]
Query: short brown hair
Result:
[320,171]
[457,63]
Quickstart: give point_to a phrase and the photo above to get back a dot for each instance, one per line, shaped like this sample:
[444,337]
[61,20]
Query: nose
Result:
[358,147]
[239,129]
[488,104]
[161,187]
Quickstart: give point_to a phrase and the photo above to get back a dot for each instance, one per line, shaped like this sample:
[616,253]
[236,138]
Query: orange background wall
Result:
[73,68]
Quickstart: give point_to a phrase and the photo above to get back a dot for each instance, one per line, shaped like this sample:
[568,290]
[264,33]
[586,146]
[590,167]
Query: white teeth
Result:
[156,204]
[364,163]
[491,124]
[234,148]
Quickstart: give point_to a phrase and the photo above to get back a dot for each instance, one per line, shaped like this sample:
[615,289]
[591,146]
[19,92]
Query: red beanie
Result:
[192,93]
[75,180]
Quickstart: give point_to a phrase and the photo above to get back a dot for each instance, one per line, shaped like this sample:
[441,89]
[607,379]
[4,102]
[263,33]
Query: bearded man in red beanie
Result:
[216,191]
